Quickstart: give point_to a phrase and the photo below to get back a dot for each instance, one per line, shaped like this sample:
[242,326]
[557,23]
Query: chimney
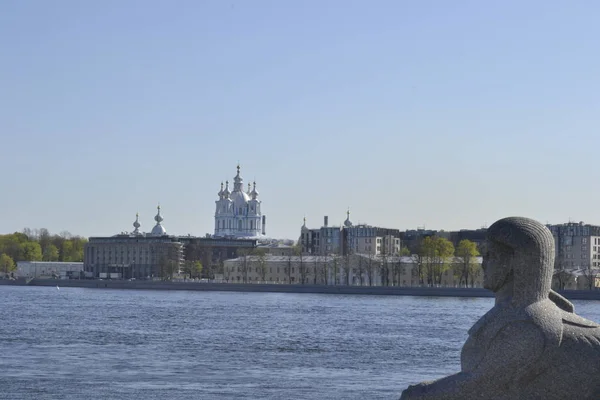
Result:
[264,222]
[325,221]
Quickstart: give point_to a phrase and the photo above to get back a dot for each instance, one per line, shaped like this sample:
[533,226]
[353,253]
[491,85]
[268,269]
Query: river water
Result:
[74,343]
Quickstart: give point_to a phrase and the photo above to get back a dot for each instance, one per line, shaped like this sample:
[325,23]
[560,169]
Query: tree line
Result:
[437,255]
[39,245]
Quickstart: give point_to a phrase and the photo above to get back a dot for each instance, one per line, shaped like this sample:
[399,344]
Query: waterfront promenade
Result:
[284,288]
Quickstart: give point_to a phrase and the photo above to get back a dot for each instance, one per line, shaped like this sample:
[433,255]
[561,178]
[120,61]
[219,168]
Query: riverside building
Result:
[349,239]
[577,245]
[139,255]
[355,269]
[134,255]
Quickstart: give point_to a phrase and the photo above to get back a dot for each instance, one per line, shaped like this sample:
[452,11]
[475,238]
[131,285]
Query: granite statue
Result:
[531,344]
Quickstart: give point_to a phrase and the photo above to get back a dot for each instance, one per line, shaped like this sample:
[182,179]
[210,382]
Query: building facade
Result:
[349,239]
[238,212]
[134,255]
[357,269]
[577,245]
[49,269]
[139,255]
[212,252]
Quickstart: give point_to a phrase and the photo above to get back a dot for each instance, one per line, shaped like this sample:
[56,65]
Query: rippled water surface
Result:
[77,343]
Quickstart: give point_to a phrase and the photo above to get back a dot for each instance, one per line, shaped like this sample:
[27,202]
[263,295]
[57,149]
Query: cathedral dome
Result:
[239,198]
[347,222]
[158,230]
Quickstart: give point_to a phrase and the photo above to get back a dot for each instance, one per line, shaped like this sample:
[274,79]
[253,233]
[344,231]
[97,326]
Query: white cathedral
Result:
[238,213]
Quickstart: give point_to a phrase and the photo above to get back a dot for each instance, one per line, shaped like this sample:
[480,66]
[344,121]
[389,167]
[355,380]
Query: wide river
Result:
[73,343]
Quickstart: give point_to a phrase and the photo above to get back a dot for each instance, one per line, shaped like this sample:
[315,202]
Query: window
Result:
[584,241]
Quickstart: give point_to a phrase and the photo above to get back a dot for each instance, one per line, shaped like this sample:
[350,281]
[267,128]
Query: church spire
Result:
[136,224]
[347,223]
[158,217]
[254,193]
[304,228]
[226,193]
[238,181]
[158,229]
[221,191]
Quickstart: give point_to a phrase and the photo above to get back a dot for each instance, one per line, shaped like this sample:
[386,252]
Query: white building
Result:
[39,269]
[238,213]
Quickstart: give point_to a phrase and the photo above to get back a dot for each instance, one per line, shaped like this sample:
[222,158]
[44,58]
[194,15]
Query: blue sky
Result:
[444,114]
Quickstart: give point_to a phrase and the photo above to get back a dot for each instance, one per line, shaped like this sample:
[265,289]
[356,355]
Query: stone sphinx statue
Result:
[531,344]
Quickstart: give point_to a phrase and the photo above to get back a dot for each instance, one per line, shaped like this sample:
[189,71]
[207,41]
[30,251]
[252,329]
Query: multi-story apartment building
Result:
[321,241]
[126,256]
[349,239]
[577,245]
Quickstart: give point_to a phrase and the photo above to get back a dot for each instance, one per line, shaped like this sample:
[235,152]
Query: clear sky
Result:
[443,114]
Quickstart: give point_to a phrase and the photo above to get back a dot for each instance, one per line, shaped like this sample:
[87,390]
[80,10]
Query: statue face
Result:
[496,266]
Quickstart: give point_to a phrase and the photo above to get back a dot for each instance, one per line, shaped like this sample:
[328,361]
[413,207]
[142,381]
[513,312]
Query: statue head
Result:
[520,255]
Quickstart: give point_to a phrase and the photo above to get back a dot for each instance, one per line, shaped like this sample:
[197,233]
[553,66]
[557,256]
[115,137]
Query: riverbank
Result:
[282,288]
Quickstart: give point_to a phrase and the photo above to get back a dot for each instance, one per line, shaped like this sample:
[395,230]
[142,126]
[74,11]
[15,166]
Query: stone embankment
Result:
[284,288]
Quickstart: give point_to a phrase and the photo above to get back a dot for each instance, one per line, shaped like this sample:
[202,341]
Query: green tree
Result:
[192,268]
[32,251]
[7,264]
[77,248]
[44,238]
[50,253]
[66,251]
[466,262]
[12,245]
[167,268]
[436,252]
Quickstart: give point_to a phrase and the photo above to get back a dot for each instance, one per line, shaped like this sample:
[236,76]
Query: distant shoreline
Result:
[283,288]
